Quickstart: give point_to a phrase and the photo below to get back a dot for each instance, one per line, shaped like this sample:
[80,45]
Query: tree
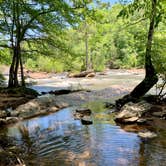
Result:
[151,78]
[22,21]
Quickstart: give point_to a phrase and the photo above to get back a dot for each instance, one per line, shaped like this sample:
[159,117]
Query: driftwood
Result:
[82,74]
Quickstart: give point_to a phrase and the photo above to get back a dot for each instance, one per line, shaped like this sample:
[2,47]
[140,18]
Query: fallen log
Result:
[82,74]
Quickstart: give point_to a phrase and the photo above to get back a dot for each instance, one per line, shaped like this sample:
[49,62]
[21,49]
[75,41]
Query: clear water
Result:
[58,139]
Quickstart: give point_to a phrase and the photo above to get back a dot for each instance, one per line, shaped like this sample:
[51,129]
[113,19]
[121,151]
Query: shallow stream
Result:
[60,140]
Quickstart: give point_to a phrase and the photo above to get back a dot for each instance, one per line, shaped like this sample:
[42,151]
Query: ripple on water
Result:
[58,139]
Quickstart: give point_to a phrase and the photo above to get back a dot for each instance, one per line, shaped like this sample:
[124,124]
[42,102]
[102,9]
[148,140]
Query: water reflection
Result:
[58,139]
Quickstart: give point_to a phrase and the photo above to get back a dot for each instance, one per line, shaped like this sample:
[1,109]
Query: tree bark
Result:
[16,52]
[22,72]
[86,51]
[11,72]
[86,48]
[150,74]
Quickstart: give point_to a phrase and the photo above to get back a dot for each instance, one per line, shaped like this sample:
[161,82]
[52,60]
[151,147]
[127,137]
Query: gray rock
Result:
[142,120]
[41,105]
[133,110]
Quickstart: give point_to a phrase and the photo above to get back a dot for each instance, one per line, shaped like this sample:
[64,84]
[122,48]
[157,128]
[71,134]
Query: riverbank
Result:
[106,86]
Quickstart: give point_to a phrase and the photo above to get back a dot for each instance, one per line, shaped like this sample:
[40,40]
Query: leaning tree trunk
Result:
[16,84]
[150,74]
[22,72]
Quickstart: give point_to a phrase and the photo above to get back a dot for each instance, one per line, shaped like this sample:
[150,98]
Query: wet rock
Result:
[132,127]
[78,116]
[53,109]
[86,120]
[133,110]
[141,120]
[10,120]
[131,120]
[84,111]
[147,134]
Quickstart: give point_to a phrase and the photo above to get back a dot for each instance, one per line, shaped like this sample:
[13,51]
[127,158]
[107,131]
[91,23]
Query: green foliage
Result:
[117,41]
[5,57]
[44,64]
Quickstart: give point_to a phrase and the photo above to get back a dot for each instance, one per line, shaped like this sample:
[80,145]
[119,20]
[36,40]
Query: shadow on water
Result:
[58,139]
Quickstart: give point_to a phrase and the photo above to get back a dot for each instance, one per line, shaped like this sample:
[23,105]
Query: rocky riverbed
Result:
[62,138]
[106,87]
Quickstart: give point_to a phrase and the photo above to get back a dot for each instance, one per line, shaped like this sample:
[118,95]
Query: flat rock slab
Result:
[42,105]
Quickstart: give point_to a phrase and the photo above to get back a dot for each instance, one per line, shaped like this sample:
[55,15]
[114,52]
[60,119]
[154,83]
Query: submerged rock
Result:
[147,134]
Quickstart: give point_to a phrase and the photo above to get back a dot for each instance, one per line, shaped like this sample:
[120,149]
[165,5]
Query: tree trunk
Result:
[11,71]
[150,76]
[22,72]
[86,48]
[16,84]
[91,60]
[86,51]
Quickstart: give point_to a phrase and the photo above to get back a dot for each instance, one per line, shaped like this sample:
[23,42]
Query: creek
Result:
[59,140]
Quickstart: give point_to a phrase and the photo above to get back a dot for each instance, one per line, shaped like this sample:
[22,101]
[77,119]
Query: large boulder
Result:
[132,112]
